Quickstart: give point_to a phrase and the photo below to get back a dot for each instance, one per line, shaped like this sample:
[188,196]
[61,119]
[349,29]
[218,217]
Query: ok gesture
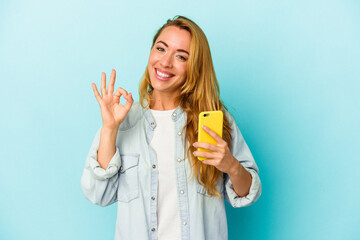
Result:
[113,112]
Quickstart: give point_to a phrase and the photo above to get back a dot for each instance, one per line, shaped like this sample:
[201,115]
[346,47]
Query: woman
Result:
[145,155]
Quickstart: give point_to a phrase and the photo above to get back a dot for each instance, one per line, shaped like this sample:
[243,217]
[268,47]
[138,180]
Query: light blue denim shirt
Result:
[131,180]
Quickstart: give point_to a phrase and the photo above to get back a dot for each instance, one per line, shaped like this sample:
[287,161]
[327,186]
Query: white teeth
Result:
[162,74]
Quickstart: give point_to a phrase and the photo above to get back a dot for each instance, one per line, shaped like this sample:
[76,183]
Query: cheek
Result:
[183,70]
[153,57]
[151,60]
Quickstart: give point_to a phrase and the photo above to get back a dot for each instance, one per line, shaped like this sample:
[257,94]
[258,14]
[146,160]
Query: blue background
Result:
[289,72]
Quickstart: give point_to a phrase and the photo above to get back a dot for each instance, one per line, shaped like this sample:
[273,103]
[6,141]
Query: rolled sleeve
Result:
[112,169]
[100,185]
[254,192]
[241,152]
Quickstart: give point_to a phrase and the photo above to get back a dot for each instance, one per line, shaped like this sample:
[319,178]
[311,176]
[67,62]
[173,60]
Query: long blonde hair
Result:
[200,92]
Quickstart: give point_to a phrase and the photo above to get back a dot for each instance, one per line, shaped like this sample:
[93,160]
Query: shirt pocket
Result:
[202,190]
[128,188]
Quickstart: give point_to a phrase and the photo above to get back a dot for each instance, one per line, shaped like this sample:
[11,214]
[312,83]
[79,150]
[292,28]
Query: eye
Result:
[160,49]
[182,58]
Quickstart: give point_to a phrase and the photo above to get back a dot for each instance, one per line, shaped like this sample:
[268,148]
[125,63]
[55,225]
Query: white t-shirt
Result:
[163,142]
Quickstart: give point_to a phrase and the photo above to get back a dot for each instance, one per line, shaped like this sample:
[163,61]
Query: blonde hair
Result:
[200,92]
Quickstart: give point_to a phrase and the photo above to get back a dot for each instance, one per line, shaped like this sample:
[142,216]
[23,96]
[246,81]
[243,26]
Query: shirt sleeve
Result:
[100,185]
[241,152]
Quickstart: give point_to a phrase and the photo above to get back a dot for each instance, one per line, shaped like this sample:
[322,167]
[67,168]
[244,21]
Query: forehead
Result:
[175,37]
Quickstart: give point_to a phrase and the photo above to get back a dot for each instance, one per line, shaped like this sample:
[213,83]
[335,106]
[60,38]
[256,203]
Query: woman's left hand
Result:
[220,155]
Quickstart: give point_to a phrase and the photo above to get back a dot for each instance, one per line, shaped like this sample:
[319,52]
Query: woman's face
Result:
[168,60]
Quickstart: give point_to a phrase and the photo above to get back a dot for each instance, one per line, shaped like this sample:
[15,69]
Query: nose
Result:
[166,60]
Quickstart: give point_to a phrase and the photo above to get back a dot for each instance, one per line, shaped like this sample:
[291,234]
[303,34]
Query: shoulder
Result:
[132,118]
[229,117]
[234,128]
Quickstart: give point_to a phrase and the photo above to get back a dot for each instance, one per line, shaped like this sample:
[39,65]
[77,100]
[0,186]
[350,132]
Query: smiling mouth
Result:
[161,75]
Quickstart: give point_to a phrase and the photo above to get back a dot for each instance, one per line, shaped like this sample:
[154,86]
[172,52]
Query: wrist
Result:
[109,131]
[235,170]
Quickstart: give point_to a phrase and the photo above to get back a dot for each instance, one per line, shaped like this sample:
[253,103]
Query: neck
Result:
[163,101]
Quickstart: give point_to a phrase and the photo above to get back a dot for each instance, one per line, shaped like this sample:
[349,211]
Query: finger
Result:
[121,91]
[103,84]
[117,95]
[111,82]
[210,155]
[116,98]
[96,92]
[129,101]
[212,162]
[208,146]
[213,134]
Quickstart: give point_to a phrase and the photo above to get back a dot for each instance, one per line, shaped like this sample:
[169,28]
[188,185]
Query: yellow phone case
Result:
[214,121]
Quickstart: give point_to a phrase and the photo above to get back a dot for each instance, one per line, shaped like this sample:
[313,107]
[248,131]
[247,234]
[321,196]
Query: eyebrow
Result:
[179,50]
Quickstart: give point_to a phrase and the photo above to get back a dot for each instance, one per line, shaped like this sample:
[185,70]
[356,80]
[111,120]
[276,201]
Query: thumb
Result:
[129,101]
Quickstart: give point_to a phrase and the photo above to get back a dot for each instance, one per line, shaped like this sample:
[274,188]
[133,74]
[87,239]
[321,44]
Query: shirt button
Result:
[153,229]
[179,160]
[154,166]
[152,123]
[179,133]
[121,168]
[184,223]
[182,192]
[152,198]
[174,114]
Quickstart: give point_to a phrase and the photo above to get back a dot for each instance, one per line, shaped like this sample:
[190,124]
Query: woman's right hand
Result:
[113,112]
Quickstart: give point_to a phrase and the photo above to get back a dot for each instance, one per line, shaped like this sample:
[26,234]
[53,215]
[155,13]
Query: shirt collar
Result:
[175,116]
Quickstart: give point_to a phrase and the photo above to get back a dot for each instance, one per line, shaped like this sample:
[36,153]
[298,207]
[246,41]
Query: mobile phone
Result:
[214,121]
